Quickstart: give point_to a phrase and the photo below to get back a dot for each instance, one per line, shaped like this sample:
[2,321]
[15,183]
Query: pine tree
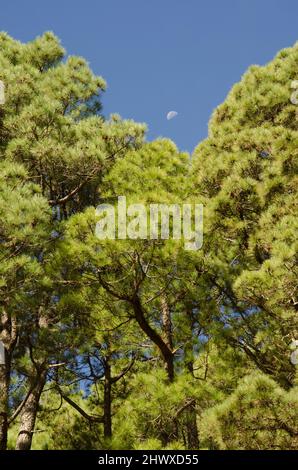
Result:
[245,173]
[51,123]
[141,343]
[25,217]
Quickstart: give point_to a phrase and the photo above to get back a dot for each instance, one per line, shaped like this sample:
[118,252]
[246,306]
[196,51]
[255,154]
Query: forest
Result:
[140,343]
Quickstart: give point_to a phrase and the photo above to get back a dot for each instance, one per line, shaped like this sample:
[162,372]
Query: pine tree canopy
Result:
[137,342]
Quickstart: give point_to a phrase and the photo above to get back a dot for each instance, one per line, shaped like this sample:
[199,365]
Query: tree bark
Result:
[166,322]
[29,413]
[193,442]
[107,401]
[8,336]
[162,345]
[4,385]
[168,334]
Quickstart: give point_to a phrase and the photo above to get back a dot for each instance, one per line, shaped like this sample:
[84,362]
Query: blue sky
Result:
[162,55]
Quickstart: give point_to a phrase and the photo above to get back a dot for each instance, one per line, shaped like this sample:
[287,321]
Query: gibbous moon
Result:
[171,115]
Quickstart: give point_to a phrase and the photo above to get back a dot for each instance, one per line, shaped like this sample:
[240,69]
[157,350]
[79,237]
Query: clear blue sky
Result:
[162,55]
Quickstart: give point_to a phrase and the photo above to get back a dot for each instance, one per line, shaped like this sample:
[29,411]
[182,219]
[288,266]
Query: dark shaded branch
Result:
[166,352]
[122,374]
[95,419]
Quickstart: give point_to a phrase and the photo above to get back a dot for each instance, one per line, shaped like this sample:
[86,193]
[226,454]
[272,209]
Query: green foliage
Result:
[138,343]
[24,231]
[257,415]
[246,174]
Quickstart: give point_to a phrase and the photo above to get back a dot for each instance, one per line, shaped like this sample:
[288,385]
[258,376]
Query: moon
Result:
[171,115]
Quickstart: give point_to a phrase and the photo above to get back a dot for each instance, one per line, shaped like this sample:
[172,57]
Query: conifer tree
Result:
[245,172]
[25,217]
[138,343]
[51,124]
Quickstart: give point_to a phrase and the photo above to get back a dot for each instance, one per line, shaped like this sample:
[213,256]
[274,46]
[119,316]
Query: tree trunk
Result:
[166,322]
[162,345]
[192,430]
[29,412]
[107,401]
[8,336]
[168,335]
[4,385]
